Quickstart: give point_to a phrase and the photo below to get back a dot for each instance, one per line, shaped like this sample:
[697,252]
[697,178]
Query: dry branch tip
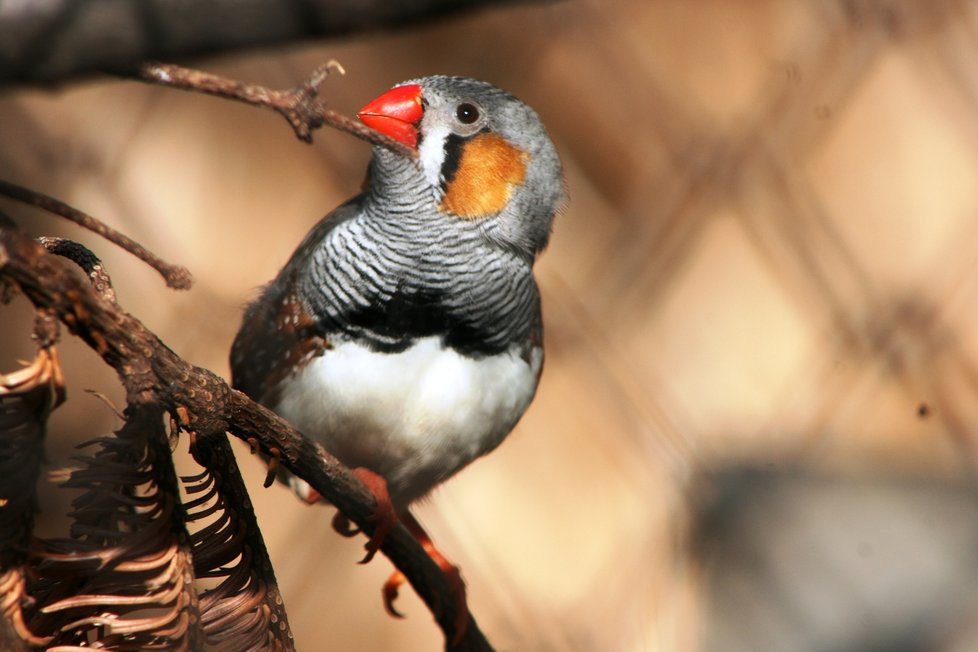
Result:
[176,276]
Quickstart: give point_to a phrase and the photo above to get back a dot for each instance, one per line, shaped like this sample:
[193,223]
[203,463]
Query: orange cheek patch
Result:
[489,170]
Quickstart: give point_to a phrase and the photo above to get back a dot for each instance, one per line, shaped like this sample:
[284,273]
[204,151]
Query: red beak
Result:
[396,113]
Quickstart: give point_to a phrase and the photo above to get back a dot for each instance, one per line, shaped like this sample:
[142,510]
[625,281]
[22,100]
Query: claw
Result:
[343,526]
[390,591]
[273,462]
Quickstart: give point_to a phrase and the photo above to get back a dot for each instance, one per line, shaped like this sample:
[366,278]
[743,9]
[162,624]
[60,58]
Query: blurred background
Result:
[767,263]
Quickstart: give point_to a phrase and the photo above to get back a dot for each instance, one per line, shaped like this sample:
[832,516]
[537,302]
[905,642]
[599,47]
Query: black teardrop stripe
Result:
[454,148]
[454,145]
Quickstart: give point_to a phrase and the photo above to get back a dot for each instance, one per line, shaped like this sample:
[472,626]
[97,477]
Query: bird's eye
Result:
[466,113]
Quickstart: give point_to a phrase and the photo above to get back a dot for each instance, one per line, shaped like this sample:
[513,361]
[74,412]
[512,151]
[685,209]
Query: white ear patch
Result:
[431,153]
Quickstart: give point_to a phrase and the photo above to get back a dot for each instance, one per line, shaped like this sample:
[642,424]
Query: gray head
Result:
[483,154]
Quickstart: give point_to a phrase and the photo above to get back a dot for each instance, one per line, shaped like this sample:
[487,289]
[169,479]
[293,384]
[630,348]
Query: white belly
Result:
[415,417]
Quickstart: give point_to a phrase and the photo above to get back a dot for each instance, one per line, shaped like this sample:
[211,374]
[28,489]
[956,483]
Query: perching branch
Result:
[204,404]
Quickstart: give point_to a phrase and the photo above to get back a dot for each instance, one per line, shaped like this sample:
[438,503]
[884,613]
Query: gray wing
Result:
[277,334]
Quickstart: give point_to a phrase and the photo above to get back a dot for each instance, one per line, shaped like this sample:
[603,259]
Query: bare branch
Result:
[45,41]
[176,277]
[300,106]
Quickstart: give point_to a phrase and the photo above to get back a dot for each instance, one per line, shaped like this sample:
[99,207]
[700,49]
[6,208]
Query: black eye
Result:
[466,113]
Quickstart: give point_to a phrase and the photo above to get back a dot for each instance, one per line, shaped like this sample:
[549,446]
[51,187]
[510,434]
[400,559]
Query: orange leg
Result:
[451,572]
[312,497]
[384,517]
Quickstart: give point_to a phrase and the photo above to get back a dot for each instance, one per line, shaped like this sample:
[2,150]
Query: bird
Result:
[405,332]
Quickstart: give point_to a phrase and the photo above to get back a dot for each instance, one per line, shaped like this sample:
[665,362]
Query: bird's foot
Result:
[384,517]
[451,571]
[274,458]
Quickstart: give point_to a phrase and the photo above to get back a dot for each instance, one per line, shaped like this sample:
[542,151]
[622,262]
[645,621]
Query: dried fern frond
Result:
[245,610]
[27,397]
[124,579]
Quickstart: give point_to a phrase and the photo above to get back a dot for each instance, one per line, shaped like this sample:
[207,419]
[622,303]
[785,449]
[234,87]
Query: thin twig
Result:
[300,106]
[176,276]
